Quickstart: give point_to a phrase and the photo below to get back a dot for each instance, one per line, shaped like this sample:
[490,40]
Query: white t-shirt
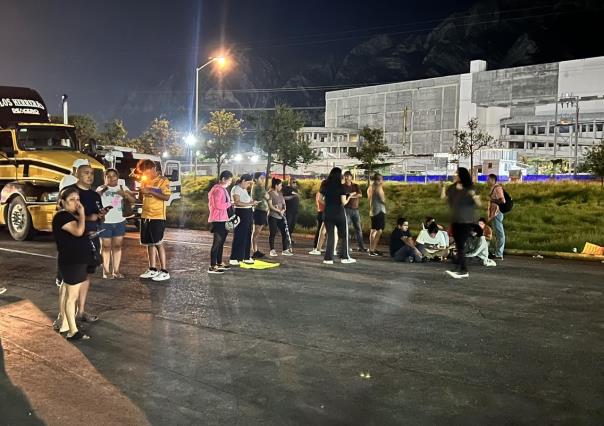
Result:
[111,198]
[439,240]
[67,180]
[244,196]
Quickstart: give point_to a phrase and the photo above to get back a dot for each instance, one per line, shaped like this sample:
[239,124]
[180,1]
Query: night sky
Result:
[96,51]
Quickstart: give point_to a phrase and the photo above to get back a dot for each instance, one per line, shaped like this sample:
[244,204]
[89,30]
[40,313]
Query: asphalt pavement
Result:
[371,343]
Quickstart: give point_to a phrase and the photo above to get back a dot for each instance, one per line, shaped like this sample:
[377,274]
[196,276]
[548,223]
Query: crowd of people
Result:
[89,228]
[90,225]
[248,208]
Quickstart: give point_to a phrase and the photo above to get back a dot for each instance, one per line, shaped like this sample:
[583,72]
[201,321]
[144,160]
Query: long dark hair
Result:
[275,182]
[334,178]
[65,192]
[464,177]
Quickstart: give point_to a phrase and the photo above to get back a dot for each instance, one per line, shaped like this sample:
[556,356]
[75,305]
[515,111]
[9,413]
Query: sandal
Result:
[78,336]
[117,275]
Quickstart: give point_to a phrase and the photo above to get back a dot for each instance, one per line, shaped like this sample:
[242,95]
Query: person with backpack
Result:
[498,205]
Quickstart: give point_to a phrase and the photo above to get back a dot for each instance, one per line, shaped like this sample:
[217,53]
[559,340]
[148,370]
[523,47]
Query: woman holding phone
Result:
[74,247]
[113,228]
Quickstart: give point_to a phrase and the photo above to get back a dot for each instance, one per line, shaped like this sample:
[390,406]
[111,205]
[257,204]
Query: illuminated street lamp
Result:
[190,140]
[237,158]
[221,61]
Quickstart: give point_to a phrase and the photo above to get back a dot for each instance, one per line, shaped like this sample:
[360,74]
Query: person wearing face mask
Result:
[114,226]
[74,251]
[242,235]
[402,247]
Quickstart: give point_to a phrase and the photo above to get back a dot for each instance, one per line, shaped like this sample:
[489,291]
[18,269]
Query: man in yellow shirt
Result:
[155,191]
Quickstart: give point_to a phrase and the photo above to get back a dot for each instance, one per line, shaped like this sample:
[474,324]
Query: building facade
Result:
[532,110]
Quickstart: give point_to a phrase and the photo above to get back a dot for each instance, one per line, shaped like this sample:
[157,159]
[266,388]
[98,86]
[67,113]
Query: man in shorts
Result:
[155,191]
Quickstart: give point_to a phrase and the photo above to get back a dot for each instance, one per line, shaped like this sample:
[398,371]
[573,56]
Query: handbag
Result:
[234,220]
[127,208]
[95,256]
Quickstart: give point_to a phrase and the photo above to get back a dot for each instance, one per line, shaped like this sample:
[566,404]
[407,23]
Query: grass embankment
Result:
[546,216]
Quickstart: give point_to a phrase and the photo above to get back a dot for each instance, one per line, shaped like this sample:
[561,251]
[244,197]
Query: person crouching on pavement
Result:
[402,247]
[242,235]
[74,247]
[219,203]
[155,191]
[433,243]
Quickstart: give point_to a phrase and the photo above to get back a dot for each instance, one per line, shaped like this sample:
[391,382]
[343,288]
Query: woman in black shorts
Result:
[74,249]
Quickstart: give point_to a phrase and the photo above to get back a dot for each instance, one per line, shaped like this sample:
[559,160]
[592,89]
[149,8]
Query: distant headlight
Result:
[49,196]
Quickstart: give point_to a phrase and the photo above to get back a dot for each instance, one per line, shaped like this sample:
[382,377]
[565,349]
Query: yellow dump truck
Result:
[35,154]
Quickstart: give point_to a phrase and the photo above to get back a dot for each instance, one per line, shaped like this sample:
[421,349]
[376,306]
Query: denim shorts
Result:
[111,230]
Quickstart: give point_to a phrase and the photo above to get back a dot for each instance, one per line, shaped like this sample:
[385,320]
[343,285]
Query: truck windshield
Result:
[47,139]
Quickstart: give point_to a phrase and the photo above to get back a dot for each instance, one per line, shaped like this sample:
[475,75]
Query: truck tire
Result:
[18,220]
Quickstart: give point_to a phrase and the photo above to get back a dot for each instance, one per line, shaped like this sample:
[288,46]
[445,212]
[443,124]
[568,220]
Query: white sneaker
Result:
[287,253]
[348,260]
[315,252]
[273,253]
[328,262]
[162,276]
[149,274]
[2,290]
[490,262]
[457,275]
[249,261]
[234,262]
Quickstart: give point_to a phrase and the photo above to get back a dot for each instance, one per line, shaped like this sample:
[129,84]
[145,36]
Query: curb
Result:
[556,255]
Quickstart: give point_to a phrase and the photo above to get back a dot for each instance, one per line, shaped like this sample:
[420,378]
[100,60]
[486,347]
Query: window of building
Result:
[541,130]
[599,126]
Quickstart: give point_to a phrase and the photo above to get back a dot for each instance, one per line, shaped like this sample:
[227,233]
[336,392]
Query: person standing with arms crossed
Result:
[155,191]
[496,216]
[377,211]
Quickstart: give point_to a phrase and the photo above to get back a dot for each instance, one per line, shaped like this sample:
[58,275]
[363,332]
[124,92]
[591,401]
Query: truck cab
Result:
[34,156]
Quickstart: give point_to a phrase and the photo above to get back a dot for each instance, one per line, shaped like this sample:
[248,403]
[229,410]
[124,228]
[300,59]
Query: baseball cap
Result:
[80,162]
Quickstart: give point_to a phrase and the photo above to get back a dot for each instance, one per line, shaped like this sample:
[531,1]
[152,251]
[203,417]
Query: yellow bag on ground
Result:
[593,249]
[258,264]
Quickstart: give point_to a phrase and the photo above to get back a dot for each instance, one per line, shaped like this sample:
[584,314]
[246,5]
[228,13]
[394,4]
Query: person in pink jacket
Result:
[219,201]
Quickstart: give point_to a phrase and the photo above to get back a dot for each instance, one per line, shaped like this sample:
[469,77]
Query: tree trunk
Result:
[218,167]
[268,169]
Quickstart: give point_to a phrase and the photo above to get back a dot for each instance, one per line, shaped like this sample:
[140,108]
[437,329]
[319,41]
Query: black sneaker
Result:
[492,256]
[258,255]
[224,266]
[215,270]
[373,253]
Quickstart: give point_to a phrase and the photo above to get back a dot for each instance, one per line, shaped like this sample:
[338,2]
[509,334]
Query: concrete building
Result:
[520,107]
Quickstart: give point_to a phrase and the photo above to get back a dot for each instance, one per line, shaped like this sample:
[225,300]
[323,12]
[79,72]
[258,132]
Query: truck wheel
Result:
[19,220]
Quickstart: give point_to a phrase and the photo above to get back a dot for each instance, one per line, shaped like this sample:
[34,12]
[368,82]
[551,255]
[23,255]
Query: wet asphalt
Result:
[372,343]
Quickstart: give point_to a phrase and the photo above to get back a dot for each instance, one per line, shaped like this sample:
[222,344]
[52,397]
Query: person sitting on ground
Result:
[432,243]
[487,232]
[402,246]
[478,247]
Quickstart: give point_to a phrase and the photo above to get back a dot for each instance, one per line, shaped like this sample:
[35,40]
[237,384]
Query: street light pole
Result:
[220,59]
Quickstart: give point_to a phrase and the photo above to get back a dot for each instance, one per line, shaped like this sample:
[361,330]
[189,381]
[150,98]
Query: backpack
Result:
[509,203]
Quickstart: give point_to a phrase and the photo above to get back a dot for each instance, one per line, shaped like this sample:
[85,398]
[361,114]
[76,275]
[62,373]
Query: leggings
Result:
[318,232]
[220,234]
[275,224]
[340,222]
[461,232]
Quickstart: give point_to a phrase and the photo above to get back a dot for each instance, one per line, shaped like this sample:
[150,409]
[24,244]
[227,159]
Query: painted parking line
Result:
[27,252]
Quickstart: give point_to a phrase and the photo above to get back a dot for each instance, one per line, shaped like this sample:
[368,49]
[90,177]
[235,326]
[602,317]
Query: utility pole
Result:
[65,114]
[570,99]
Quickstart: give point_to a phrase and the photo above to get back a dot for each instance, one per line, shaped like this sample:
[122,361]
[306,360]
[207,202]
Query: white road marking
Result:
[27,252]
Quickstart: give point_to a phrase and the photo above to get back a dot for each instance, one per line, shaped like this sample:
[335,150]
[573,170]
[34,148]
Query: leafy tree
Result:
[279,140]
[160,137]
[224,128]
[85,127]
[115,133]
[594,160]
[468,142]
[372,151]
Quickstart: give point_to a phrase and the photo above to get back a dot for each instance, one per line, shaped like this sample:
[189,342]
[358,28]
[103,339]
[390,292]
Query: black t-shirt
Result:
[294,202]
[72,249]
[91,200]
[395,240]
[333,201]
[462,204]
